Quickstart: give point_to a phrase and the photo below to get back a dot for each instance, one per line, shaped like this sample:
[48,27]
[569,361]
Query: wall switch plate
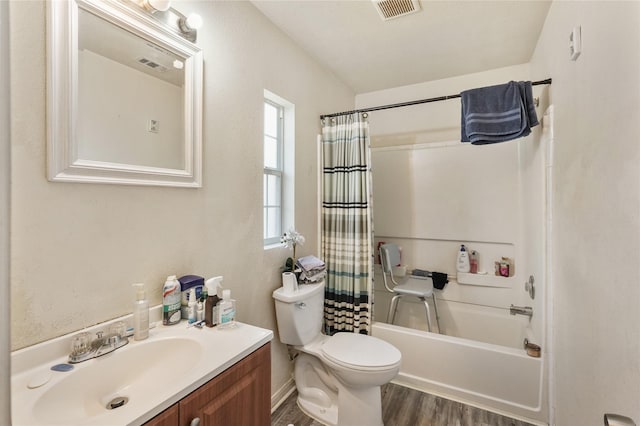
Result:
[153,126]
[575,43]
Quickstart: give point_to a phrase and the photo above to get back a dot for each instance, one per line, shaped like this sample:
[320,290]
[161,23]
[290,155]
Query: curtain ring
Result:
[365,115]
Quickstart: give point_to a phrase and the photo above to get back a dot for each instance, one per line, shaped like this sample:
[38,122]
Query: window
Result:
[279,167]
[273,171]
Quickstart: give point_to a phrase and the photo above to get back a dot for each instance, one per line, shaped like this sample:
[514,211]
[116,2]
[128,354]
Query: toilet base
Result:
[317,390]
[325,398]
[359,406]
[325,415]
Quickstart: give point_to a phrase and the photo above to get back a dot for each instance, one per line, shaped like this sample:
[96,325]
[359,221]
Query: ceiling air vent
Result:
[151,64]
[389,9]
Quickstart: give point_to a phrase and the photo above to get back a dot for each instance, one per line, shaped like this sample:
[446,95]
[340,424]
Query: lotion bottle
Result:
[140,313]
[463,265]
[226,311]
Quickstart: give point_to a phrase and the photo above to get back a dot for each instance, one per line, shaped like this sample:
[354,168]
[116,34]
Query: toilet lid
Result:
[360,350]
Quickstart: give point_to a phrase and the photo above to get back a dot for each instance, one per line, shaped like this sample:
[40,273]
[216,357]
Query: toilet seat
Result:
[361,352]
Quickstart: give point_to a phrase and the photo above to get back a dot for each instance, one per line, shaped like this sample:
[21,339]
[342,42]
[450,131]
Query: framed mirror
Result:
[124,97]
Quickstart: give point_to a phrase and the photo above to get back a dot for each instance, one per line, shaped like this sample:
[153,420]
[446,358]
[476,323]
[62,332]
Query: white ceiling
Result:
[444,39]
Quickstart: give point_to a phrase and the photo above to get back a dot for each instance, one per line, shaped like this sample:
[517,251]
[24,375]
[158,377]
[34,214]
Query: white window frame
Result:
[287,169]
[278,171]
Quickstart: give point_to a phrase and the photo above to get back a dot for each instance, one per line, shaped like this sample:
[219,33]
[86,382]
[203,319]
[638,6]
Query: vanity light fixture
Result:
[156,5]
[186,26]
[190,23]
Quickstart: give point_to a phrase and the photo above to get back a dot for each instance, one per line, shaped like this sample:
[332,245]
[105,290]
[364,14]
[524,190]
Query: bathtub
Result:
[496,378]
[488,324]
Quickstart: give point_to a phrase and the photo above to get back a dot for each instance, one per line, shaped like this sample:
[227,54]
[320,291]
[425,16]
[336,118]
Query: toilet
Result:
[338,377]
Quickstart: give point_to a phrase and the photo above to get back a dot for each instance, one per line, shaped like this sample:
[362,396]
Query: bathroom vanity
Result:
[179,375]
[239,396]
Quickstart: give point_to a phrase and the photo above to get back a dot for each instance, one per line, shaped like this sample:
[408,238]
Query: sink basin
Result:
[141,379]
[133,372]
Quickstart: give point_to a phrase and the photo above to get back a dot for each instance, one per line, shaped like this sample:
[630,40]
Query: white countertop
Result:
[214,351]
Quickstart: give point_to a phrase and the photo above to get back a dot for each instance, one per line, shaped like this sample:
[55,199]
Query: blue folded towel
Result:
[497,113]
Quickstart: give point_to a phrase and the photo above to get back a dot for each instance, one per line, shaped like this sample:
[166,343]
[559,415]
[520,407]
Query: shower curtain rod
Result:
[420,101]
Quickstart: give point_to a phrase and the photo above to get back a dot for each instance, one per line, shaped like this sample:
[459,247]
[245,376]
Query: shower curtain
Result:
[347,223]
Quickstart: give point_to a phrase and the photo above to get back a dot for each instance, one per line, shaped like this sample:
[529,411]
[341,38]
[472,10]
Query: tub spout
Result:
[617,420]
[521,310]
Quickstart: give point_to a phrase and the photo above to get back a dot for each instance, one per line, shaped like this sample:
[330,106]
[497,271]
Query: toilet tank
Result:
[299,314]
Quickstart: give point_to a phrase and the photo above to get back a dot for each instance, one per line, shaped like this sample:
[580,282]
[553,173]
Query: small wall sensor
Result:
[575,43]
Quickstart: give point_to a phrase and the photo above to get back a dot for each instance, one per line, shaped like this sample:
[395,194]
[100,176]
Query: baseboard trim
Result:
[282,394]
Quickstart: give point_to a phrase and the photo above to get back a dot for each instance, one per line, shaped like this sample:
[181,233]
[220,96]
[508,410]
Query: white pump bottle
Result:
[463,265]
[140,313]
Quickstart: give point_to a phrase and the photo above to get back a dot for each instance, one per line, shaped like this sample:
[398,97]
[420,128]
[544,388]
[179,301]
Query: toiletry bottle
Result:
[226,311]
[211,305]
[203,295]
[463,264]
[171,301]
[202,302]
[505,267]
[187,282]
[473,262]
[191,307]
[199,311]
[140,314]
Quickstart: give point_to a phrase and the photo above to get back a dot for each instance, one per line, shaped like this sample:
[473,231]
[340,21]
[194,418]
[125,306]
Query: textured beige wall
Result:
[5,164]
[76,248]
[596,212]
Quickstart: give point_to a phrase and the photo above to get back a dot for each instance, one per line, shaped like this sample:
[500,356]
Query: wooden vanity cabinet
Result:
[239,396]
[169,417]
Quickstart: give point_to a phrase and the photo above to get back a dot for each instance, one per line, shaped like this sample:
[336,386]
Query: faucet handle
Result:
[119,329]
[81,343]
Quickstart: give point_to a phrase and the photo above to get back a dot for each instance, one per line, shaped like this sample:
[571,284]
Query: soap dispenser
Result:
[226,311]
[140,313]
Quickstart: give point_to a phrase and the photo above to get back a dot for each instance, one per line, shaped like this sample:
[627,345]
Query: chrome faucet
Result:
[521,310]
[84,349]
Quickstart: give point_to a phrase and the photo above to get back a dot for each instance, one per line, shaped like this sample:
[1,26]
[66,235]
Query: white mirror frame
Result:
[62,97]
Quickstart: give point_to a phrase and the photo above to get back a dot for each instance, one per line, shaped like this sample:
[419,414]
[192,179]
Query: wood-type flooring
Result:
[402,406]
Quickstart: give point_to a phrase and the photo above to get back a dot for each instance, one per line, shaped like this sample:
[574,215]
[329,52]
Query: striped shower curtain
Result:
[347,224]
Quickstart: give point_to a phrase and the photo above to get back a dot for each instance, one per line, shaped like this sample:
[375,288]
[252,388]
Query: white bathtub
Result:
[497,378]
[488,324]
